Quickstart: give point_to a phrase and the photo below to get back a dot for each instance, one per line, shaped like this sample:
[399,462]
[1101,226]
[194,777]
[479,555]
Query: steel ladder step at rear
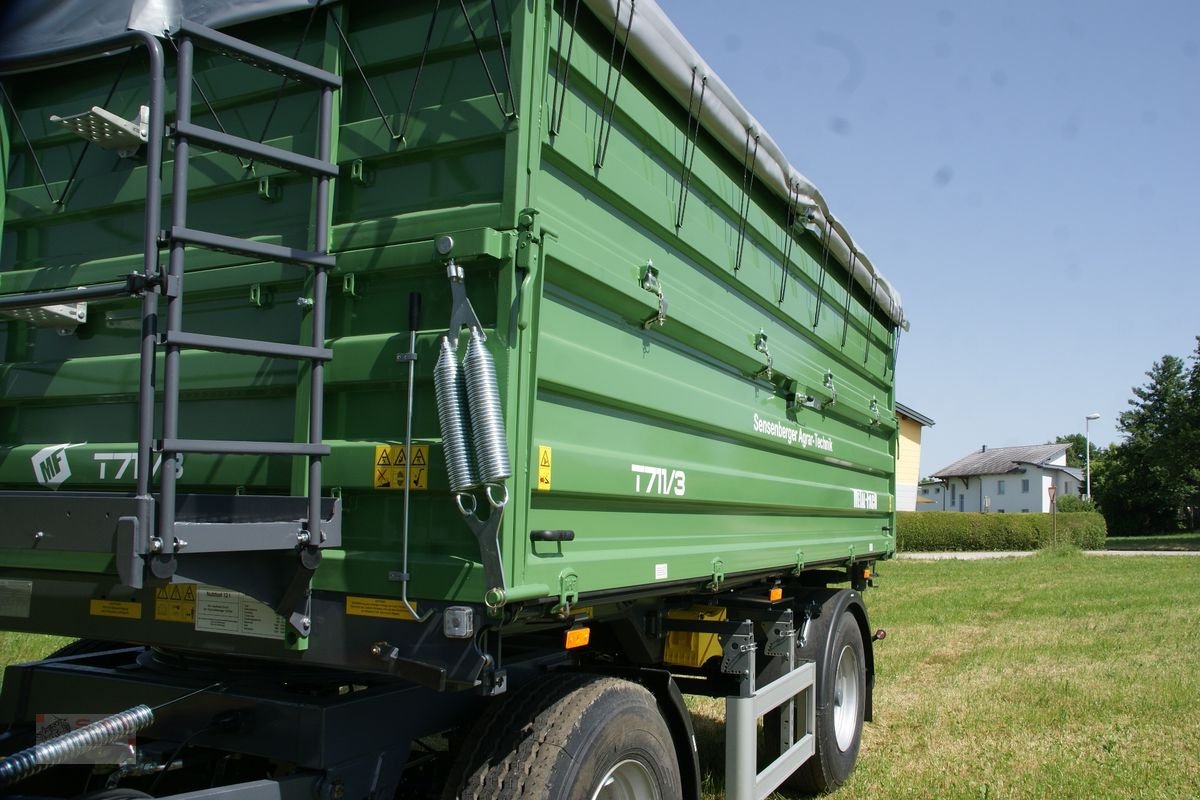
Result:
[253,347]
[249,247]
[216,140]
[260,57]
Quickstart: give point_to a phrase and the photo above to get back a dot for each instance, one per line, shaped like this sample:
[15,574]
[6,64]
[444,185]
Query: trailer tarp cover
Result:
[33,28]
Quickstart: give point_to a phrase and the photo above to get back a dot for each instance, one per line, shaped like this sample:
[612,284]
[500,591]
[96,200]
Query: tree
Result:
[1150,481]
[1079,447]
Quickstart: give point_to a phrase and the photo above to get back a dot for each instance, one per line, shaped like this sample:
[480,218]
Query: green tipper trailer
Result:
[416,398]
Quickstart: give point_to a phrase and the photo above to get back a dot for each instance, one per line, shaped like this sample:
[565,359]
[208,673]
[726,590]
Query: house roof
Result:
[1074,472]
[915,416]
[999,460]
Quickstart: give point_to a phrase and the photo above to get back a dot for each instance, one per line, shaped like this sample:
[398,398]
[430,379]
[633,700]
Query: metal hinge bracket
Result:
[760,344]
[651,283]
[718,575]
[568,592]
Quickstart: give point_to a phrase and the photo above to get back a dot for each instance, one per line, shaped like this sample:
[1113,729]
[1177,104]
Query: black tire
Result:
[833,761]
[834,758]
[561,737]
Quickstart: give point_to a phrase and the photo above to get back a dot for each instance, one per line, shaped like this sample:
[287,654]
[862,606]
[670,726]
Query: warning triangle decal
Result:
[383,461]
[418,458]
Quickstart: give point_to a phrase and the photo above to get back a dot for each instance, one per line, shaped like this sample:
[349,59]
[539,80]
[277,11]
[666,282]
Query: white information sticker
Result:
[865,499]
[223,611]
[660,572]
[15,597]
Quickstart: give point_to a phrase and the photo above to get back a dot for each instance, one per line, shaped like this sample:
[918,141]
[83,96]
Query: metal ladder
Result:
[146,533]
[179,236]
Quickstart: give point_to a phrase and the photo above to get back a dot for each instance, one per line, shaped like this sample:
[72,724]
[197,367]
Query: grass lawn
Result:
[1054,676]
[18,647]
[1171,541]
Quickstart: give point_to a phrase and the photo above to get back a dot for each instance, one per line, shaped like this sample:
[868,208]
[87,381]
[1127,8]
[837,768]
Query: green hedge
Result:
[928,531]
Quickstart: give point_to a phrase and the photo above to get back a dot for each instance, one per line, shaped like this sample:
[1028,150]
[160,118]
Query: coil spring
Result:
[74,744]
[487,417]
[448,390]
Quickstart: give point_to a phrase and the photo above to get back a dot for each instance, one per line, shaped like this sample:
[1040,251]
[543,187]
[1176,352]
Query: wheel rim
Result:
[845,698]
[627,780]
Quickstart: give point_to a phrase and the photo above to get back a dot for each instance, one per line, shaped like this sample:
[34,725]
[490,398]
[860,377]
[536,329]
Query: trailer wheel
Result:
[841,703]
[575,737]
[834,643]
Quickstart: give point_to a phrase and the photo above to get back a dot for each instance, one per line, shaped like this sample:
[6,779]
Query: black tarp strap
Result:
[246,165]
[462,4]
[750,160]
[896,331]
[824,272]
[695,109]
[283,83]
[849,296]
[562,71]
[383,117]
[62,198]
[870,317]
[412,94]
[789,221]
[28,143]
[608,109]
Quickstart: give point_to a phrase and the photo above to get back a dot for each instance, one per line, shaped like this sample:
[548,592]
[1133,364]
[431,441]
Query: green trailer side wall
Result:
[613,397]
[559,292]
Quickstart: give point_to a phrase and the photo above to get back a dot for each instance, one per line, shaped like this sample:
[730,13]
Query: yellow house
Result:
[908,456]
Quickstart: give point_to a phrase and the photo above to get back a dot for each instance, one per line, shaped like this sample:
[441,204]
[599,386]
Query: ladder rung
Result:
[258,56]
[249,247]
[240,448]
[254,150]
[253,347]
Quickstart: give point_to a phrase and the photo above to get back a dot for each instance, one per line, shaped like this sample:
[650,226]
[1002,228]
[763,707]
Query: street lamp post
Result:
[1087,434]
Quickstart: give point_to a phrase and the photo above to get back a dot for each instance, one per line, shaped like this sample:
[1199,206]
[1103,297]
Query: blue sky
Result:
[1027,174]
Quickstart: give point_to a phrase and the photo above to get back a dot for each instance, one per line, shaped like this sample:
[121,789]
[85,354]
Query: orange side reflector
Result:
[775,595]
[578,637]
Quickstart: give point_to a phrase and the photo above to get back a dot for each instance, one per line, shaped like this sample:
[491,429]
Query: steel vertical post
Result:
[174,287]
[154,148]
[316,409]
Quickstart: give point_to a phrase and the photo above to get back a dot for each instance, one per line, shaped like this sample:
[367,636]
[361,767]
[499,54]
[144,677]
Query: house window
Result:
[1024,510]
[1000,511]
[1024,485]
[999,487]
[953,492]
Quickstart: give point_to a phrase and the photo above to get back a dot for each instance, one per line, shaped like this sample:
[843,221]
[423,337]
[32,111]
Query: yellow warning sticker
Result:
[544,462]
[175,603]
[120,609]
[378,607]
[389,467]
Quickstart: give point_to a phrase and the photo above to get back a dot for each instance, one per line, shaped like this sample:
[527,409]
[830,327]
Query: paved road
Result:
[980,556]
